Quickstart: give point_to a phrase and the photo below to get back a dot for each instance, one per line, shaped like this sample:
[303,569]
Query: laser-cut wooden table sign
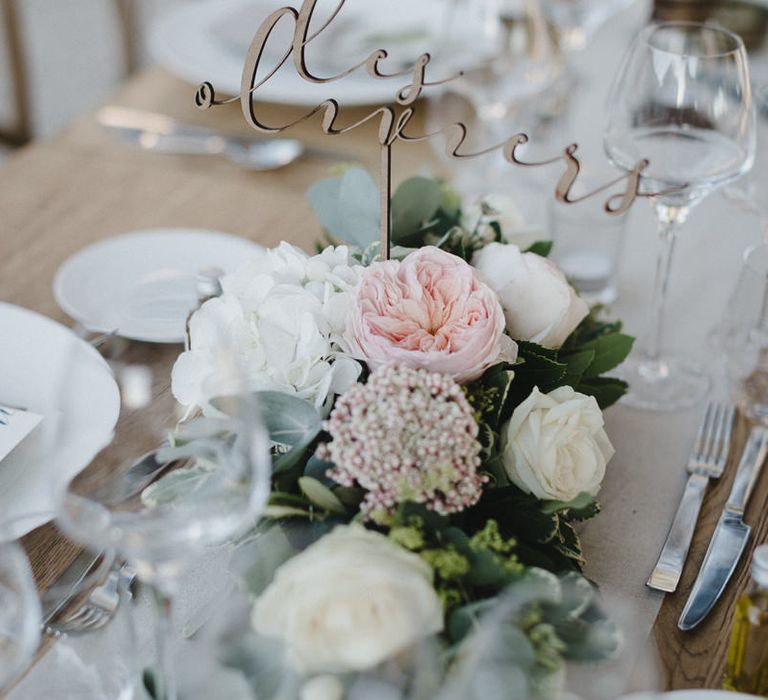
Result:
[394,120]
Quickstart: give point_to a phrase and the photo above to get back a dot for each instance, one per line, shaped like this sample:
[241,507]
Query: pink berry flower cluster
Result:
[406,435]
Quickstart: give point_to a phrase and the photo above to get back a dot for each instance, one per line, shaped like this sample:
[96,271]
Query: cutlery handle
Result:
[749,469]
[669,568]
[183,143]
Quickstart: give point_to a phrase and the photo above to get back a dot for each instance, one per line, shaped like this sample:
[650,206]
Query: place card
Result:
[15,425]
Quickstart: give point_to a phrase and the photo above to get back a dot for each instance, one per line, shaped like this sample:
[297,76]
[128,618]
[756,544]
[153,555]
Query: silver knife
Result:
[731,535]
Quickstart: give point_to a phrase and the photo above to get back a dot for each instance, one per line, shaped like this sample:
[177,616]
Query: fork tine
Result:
[717,417]
[716,435]
[697,454]
[728,434]
[717,449]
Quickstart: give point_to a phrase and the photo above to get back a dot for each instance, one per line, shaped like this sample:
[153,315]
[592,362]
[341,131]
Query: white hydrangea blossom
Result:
[278,321]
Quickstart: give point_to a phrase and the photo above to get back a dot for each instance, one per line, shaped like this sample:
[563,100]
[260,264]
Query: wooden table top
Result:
[60,195]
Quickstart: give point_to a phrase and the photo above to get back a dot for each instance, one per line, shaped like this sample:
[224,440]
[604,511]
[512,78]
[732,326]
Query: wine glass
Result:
[19,612]
[742,337]
[577,21]
[682,100]
[217,482]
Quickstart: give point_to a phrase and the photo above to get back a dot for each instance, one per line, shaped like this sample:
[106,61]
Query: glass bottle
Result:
[747,663]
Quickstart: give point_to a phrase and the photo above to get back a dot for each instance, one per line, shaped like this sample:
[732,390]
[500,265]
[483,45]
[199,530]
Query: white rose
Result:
[555,447]
[281,317]
[502,209]
[538,302]
[349,602]
[322,688]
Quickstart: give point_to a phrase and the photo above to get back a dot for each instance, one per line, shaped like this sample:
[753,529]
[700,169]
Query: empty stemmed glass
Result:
[577,20]
[218,471]
[682,100]
[19,612]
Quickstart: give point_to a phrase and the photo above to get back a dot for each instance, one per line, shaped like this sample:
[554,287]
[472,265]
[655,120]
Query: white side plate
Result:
[142,284]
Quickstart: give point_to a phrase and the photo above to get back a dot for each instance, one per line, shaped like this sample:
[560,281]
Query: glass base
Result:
[667,384]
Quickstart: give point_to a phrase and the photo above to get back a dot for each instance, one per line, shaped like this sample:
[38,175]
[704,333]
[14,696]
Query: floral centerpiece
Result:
[437,426]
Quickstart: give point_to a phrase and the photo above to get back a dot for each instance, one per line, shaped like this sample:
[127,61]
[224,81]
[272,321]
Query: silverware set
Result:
[163,134]
[68,615]
[708,460]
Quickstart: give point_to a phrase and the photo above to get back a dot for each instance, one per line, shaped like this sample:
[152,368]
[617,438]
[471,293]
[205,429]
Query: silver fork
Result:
[707,461]
[100,607]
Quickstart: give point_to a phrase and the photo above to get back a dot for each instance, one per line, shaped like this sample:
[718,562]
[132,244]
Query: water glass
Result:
[218,471]
[19,613]
[577,20]
[681,103]
[587,248]
[743,335]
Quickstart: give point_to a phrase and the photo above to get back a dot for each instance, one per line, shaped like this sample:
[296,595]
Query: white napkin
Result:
[15,425]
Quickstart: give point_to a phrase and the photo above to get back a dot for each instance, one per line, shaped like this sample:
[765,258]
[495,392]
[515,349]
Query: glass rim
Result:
[651,29]
[748,255]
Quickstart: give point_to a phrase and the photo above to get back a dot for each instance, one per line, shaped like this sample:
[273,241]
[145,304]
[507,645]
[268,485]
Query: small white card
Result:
[15,425]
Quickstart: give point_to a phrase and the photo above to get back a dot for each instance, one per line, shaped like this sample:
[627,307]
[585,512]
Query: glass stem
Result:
[670,220]
[164,635]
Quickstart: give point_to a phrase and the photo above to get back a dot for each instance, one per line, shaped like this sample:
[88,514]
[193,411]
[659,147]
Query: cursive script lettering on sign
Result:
[394,120]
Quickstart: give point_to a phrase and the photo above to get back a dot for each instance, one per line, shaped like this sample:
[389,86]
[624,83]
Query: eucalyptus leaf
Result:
[323,197]
[359,203]
[290,420]
[321,496]
[465,619]
[255,561]
[277,512]
[578,594]
[317,469]
[178,484]
[414,203]
[590,641]
[347,206]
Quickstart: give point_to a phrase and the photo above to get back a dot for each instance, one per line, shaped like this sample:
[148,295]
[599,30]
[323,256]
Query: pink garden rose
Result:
[429,311]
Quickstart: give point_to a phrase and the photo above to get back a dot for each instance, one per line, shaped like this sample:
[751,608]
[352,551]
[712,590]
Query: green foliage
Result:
[180,483]
[321,496]
[542,531]
[414,206]
[347,206]
[543,248]
[593,349]
[467,568]
[293,424]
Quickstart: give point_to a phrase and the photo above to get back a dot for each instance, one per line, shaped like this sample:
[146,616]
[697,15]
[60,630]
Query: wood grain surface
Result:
[696,659]
[58,196]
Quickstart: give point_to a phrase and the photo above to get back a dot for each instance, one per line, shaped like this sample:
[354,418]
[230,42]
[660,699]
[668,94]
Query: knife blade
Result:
[731,535]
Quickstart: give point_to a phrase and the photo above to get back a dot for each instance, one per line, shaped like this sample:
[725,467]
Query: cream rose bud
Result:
[539,304]
[348,602]
[555,447]
[503,210]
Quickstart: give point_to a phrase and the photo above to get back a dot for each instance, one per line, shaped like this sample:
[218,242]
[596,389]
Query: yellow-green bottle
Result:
[747,665]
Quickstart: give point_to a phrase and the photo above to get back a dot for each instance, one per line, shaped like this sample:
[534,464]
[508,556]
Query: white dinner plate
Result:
[208,41]
[49,370]
[142,285]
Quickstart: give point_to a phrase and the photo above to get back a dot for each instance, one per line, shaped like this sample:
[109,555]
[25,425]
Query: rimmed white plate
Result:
[39,359]
[142,284]
[208,41]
